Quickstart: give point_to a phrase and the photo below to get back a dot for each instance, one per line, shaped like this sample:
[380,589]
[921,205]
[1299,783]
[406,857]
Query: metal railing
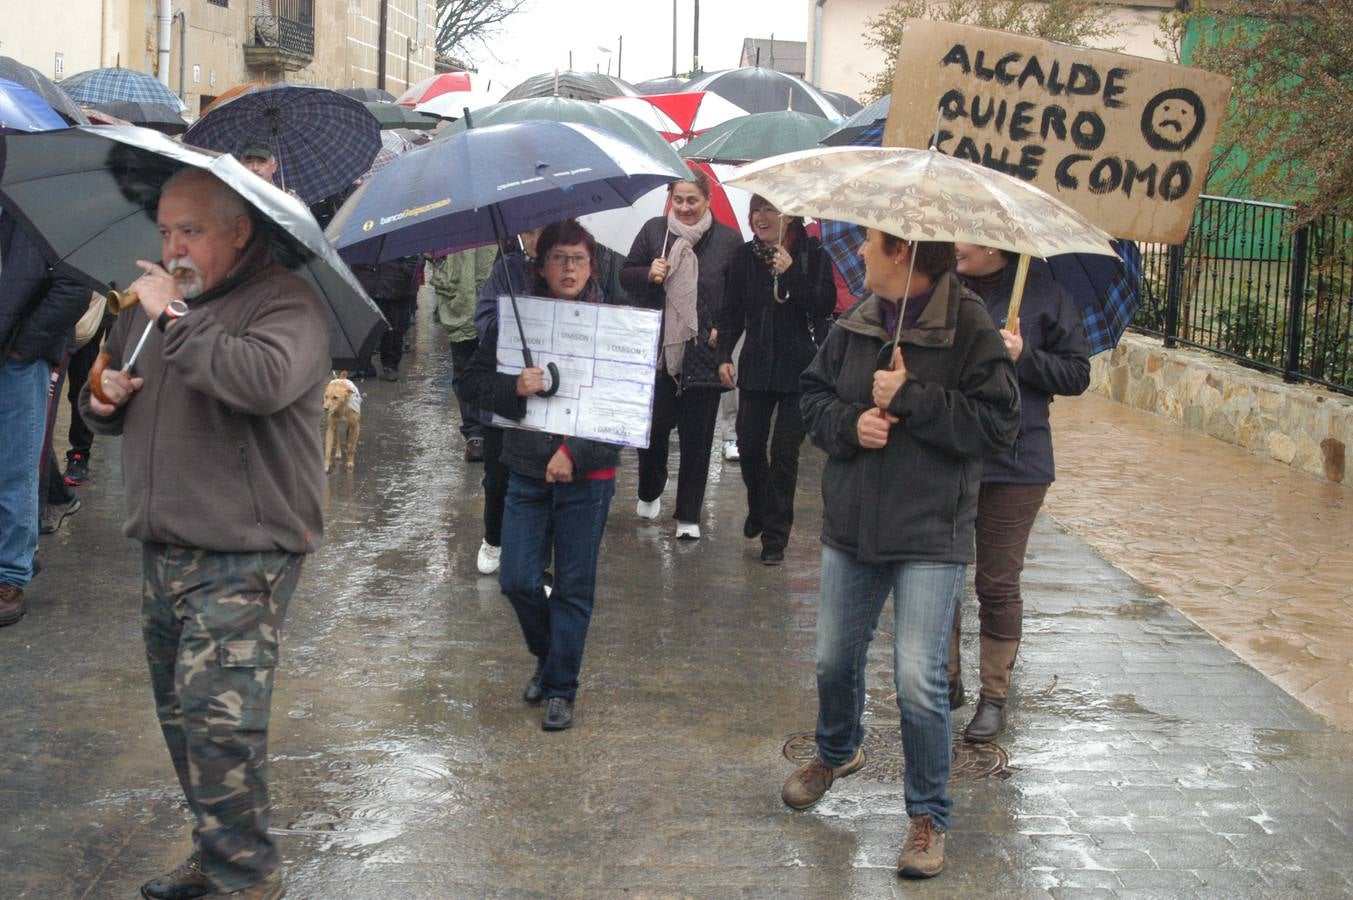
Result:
[290,28]
[1249,286]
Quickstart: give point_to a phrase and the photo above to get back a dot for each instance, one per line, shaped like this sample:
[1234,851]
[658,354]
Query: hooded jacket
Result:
[221,446]
[916,497]
[1055,360]
[38,306]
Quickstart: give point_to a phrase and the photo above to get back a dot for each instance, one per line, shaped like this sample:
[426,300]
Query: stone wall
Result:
[1306,427]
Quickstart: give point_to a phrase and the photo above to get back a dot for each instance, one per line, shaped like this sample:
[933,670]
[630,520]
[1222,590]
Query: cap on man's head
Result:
[256,150]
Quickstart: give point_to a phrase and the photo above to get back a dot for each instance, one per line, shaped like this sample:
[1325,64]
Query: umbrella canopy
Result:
[435,86]
[486,183]
[592,86]
[101,85]
[323,141]
[452,104]
[393,144]
[679,116]
[368,95]
[922,195]
[113,175]
[164,119]
[392,115]
[561,109]
[23,110]
[238,90]
[667,85]
[765,90]
[13,70]
[758,136]
[863,128]
[847,105]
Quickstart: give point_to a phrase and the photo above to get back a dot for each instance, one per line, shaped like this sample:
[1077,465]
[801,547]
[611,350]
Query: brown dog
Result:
[343,404]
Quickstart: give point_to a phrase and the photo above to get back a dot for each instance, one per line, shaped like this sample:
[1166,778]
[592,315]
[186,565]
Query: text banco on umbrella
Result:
[87,196]
[489,183]
[323,140]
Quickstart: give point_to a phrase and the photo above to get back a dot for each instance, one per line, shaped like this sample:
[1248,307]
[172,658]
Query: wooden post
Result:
[1017,294]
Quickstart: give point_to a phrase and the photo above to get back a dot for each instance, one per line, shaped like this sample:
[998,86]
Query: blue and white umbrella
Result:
[323,140]
[23,110]
[106,85]
[487,183]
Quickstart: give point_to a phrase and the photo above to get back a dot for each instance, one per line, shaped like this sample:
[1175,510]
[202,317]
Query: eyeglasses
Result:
[577,260]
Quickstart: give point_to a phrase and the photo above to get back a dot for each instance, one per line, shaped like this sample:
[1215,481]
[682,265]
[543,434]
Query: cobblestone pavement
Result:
[1258,554]
[1143,758]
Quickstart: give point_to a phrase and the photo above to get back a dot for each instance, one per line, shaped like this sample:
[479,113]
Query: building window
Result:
[219,2]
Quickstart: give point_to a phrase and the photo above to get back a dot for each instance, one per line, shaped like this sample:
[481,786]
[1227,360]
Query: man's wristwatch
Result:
[176,309]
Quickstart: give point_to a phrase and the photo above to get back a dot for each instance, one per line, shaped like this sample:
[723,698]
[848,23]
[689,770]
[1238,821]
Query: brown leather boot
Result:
[12,604]
[998,661]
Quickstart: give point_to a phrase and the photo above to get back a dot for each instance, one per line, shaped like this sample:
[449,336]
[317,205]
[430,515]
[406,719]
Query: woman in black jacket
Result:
[1052,356]
[559,491]
[904,443]
[779,285]
[679,264]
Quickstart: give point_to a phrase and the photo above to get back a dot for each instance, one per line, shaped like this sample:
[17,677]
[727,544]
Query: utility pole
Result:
[695,53]
[620,57]
[674,41]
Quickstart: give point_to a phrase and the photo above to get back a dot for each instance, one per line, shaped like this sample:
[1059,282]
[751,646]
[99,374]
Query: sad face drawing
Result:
[1173,119]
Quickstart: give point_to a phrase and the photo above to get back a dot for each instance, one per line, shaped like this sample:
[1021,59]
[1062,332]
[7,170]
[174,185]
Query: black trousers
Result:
[398,312]
[770,480]
[692,413]
[461,354]
[77,372]
[495,485]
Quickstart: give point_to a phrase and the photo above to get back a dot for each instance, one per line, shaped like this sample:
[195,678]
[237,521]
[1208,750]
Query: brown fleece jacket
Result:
[221,446]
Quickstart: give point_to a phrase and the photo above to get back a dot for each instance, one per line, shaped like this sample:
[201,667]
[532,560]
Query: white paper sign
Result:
[606,356]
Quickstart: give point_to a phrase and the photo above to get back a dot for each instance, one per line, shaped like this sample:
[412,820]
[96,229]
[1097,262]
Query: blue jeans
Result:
[573,514]
[924,597]
[23,422]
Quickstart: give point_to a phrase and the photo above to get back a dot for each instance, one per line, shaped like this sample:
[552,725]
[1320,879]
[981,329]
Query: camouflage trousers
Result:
[212,624]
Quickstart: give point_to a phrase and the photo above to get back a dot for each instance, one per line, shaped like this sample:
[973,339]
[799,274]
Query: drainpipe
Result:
[381,44]
[817,43]
[165,20]
[182,16]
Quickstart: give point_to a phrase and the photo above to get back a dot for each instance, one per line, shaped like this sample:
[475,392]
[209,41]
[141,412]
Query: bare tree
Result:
[461,22]
[1069,21]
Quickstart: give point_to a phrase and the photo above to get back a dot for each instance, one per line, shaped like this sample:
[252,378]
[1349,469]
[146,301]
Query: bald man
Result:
[221,461]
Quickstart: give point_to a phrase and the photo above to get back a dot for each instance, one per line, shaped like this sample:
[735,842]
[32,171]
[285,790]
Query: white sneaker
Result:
[488,559]
[649,509]
[730,451]
[688,531]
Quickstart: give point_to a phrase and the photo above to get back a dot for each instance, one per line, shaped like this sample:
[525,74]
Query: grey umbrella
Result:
[87,195]
[575,85]
[13,70]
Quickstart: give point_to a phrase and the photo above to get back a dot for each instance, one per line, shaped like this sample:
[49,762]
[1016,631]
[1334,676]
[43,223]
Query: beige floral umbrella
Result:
[924,195]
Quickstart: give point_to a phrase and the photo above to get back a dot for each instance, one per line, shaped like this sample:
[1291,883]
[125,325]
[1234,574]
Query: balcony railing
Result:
[286,25]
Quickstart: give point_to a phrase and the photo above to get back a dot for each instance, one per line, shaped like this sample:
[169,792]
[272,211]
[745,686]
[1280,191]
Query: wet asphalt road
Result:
[1143,758]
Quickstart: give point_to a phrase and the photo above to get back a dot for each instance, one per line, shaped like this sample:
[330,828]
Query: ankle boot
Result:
[988,722]
[997,663]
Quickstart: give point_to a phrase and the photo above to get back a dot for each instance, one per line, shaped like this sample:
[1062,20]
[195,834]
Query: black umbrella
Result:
[87,195]
[392,115]
[756,90]
[368,95]
[576,85]
[163,119]
[13,70]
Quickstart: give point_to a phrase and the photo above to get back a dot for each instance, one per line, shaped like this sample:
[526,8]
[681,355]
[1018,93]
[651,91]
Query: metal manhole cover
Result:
[884,762]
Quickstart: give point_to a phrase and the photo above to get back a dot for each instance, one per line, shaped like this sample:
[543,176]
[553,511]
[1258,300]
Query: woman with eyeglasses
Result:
[679,264]
[558,494]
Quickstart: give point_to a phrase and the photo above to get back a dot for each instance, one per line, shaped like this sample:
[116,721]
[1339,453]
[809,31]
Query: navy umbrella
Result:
[323,141]
[485,184]
[13,70]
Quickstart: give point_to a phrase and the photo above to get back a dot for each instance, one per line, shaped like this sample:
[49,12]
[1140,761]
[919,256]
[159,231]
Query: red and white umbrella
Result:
[445,83]
[616,228]
[452,104]
[679,117]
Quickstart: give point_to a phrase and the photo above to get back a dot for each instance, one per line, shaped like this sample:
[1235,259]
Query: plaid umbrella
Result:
[13,70]
[323,141]
[1106,290]
[392,145]
[101,85]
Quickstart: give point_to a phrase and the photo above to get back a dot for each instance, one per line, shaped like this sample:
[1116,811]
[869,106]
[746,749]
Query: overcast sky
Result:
[540,38]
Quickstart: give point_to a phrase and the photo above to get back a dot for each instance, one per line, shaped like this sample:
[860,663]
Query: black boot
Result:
[184,883]
[987,722]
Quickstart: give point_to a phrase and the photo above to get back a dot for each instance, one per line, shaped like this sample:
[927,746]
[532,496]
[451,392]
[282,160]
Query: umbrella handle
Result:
[1017,294]
[554,381]
[96,378]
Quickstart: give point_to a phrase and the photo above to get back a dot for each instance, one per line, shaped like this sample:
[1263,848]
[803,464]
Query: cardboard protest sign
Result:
[1123,140]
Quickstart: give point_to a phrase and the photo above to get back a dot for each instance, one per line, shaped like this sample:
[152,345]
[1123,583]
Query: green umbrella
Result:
[758,136]
[391,115]
[628,128]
